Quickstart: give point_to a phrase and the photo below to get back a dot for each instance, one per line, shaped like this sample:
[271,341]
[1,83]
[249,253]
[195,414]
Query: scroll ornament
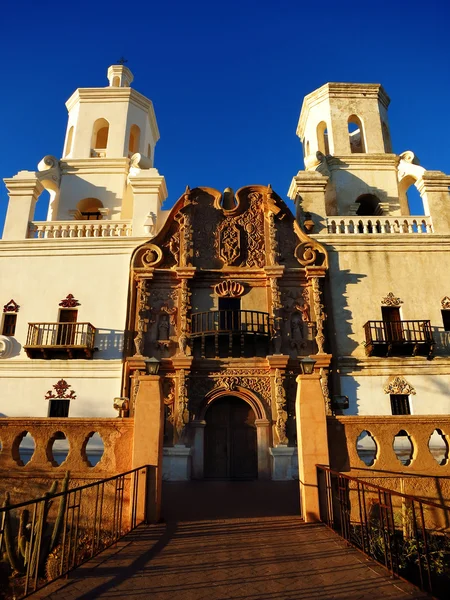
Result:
[391,300]
[229,289]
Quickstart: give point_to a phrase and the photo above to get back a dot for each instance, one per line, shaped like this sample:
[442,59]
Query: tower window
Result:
[386,137]
[100,134]
[116,81]
[90,209]
[368,206]
[135,137]
[446,319]
[9,324]
[69,142]
[356,135]
[322,138]
[400,404]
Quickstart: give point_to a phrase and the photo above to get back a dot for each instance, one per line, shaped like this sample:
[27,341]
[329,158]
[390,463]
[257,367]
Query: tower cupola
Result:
[119,76]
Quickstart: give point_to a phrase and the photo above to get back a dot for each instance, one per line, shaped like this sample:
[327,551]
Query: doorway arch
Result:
[231,450]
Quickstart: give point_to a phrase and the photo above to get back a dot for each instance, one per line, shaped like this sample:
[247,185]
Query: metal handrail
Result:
[397,530]
[231,321]
[84,525]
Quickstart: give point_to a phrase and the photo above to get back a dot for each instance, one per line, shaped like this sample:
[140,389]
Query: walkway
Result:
[224,541]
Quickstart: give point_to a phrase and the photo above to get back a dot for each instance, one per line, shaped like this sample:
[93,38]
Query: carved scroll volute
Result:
[142,318]
[276,313]
[184,218]
[282,416]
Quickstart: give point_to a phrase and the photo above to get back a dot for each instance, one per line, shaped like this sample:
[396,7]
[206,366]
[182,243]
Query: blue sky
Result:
[227,79]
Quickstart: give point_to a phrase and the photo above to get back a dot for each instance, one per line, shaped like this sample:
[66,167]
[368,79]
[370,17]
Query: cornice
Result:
[363,161]
[77,166]
[413,365]
[388,242]
[81,369]
[69,246]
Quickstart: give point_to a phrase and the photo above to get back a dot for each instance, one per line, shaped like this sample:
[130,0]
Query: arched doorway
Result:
[230,440]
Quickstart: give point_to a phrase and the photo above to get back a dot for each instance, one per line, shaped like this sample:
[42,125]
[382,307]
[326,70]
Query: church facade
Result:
[228,291]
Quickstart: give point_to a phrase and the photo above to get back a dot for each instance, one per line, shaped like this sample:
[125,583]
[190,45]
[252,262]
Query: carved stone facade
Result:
[227,296]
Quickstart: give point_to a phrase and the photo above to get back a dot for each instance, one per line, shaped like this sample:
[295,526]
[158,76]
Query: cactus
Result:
[49,537]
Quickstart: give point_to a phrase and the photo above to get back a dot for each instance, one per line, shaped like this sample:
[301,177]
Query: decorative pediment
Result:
[445,303]
[391,300]
[252,228]
[69,302]
[61,391]
[399,385]
[11,306]
[229,288]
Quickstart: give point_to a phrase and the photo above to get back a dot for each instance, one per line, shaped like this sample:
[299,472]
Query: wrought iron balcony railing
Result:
[242,332]
[407,338]
[60,340]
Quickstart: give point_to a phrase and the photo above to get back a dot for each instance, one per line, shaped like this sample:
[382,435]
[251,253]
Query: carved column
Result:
[273,273]
[280,400]
[184,308]
[142,319]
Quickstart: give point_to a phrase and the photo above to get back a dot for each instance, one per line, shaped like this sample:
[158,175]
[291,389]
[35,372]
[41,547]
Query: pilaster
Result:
[149,192]
[434,189]
[23,189]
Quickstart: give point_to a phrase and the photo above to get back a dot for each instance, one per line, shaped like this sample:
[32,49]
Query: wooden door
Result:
[66,331]
[392,323]
[230,440]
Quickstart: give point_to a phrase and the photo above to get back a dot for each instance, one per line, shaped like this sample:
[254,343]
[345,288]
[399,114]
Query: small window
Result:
[322,138]
[356,135]
[446,319]
[400,404]
[9,324]
[58,407]
[134,141]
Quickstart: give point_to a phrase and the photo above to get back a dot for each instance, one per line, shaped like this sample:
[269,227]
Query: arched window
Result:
[135,137]
[322,138]
[368,206]
[356,135]
[89,209]
[116,81]
[100,134]
[69,142]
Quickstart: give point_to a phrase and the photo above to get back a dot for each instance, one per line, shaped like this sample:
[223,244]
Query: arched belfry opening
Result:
[230,440]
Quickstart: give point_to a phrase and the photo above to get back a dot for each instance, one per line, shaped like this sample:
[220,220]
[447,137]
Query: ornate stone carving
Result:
[163,327]
[228,241]
[399,385]
[69,302]
[445,303]
[255,380]
[229,288]
[280,399]
[169,398]
[6,346]
[391,300]
[174,246]
[319,314]
[61,391]
[253,222]
[296,332]
[273,244]
[182,405]
[325,390]
[184,306]
[172,312]
[11,306]
[142,318]
[306,254]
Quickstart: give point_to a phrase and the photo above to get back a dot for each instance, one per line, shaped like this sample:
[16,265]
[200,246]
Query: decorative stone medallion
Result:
[399,385]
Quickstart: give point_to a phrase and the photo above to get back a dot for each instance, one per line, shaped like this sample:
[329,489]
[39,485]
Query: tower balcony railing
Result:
[79,229]
[380,225]
[234,332]
[399,338]
[60,340]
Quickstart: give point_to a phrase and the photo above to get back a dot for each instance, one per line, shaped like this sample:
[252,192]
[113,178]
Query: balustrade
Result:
[79,229]
[403,338]
[47,339]
[379,225]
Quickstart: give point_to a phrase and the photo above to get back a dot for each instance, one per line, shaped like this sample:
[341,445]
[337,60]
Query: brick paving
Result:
[231,540]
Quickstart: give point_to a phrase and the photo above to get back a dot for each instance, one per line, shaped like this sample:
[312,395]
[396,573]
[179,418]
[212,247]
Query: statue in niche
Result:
[296,332]
[163,327]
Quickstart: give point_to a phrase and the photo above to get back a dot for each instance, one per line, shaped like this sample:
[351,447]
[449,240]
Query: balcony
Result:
[60,340]
[227,333]
[399,338]
[381,225]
